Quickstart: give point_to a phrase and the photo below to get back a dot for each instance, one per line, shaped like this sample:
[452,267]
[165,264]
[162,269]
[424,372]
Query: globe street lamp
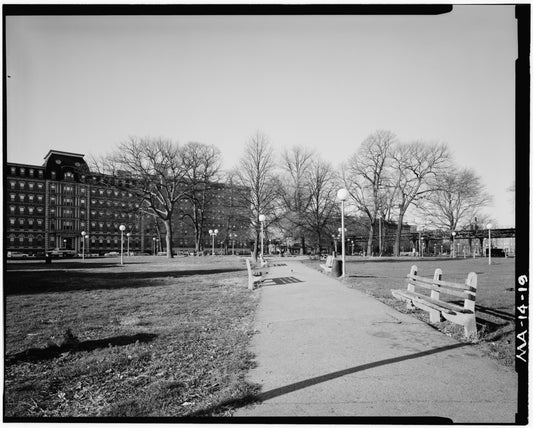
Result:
[128,235]
[342,194]
[489,226]
[153,245]
[213,233]
[83,233]
[453,243]
[122,228]
[262,219]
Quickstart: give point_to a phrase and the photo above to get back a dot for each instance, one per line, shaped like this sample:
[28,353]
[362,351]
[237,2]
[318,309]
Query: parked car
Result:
[16,255]
[112,254]
[62,252]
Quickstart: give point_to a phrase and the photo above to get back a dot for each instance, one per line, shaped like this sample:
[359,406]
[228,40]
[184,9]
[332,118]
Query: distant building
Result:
[49,206]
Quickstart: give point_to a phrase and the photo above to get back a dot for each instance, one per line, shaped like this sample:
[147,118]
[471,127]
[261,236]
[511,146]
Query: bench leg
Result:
[470,327]
[434,316]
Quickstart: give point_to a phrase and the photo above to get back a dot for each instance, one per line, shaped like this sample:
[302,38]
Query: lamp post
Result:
[122,228]
[489,226]
[128,236]
[262,219]
[213,233]
[83,233]
[453,243]
[342,194]
[153,245]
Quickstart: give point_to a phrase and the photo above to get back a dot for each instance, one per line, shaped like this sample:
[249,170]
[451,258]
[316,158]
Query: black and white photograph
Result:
[266,213]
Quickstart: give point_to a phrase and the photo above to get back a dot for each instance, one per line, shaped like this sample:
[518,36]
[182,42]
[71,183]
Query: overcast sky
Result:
[85,83]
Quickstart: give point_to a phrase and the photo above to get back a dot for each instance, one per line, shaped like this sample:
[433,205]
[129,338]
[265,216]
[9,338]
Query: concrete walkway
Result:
[323,349]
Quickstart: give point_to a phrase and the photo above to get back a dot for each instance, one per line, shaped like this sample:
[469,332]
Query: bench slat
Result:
[462,294]
[440,282]
[437,304]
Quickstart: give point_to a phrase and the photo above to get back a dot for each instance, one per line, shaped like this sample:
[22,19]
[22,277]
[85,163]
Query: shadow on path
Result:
[54,351]
[267,395]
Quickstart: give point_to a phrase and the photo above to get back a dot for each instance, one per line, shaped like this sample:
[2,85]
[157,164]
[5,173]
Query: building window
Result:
[30,221]
[30,186]
[101,191]
[12,184]
[82,201]
[69,175]
[39,222]
[13,170]
[30,239]
[21,210]
[30,198]
[12,197]
[53,187]
[40,198]
[31,172]
[40,185]
[12,221]
[67,202]
[22,171]
[21,221]
[82,190]
[30,210]
[39,210]
[22,184]
[40,174]
[21,197]
[53,175]
[53,200]
[12,238]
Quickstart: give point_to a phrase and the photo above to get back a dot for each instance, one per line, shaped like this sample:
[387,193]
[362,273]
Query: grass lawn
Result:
[495,298]
[155,337]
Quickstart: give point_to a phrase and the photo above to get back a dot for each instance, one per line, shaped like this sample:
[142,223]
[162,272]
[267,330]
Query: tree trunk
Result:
[398,236]
[370,240]
[168,228]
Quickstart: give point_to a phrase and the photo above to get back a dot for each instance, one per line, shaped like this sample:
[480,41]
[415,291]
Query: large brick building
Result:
[49,206]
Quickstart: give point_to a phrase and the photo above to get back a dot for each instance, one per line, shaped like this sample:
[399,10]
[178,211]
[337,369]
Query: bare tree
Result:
[416,166]
[152,171]
[366,176]
[295,192]
[322,183]
[256,179]
[201,165]
[456,198]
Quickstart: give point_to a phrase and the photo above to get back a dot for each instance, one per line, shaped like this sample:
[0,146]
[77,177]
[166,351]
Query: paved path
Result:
[323,349]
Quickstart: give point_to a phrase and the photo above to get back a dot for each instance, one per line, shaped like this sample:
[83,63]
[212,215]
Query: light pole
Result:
[453,243]
[233,236]
[262,219]
[153,245]
[122,228]
[342,194]
[213,233]
[489,226]
[83,233]
[128,236]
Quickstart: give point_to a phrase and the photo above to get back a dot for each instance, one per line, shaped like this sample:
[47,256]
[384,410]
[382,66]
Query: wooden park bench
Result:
[254,276]
[329,264]
[463,315]
[263,261]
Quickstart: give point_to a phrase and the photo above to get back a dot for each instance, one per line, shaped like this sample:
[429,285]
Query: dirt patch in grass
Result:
[169,345]
[495,299]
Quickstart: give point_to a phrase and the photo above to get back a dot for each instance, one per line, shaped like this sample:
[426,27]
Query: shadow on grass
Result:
[54,351]
[58,265]
[277,392]
[46,281]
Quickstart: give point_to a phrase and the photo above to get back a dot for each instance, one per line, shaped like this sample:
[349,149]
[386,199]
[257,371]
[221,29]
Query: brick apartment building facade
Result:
[48,207]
